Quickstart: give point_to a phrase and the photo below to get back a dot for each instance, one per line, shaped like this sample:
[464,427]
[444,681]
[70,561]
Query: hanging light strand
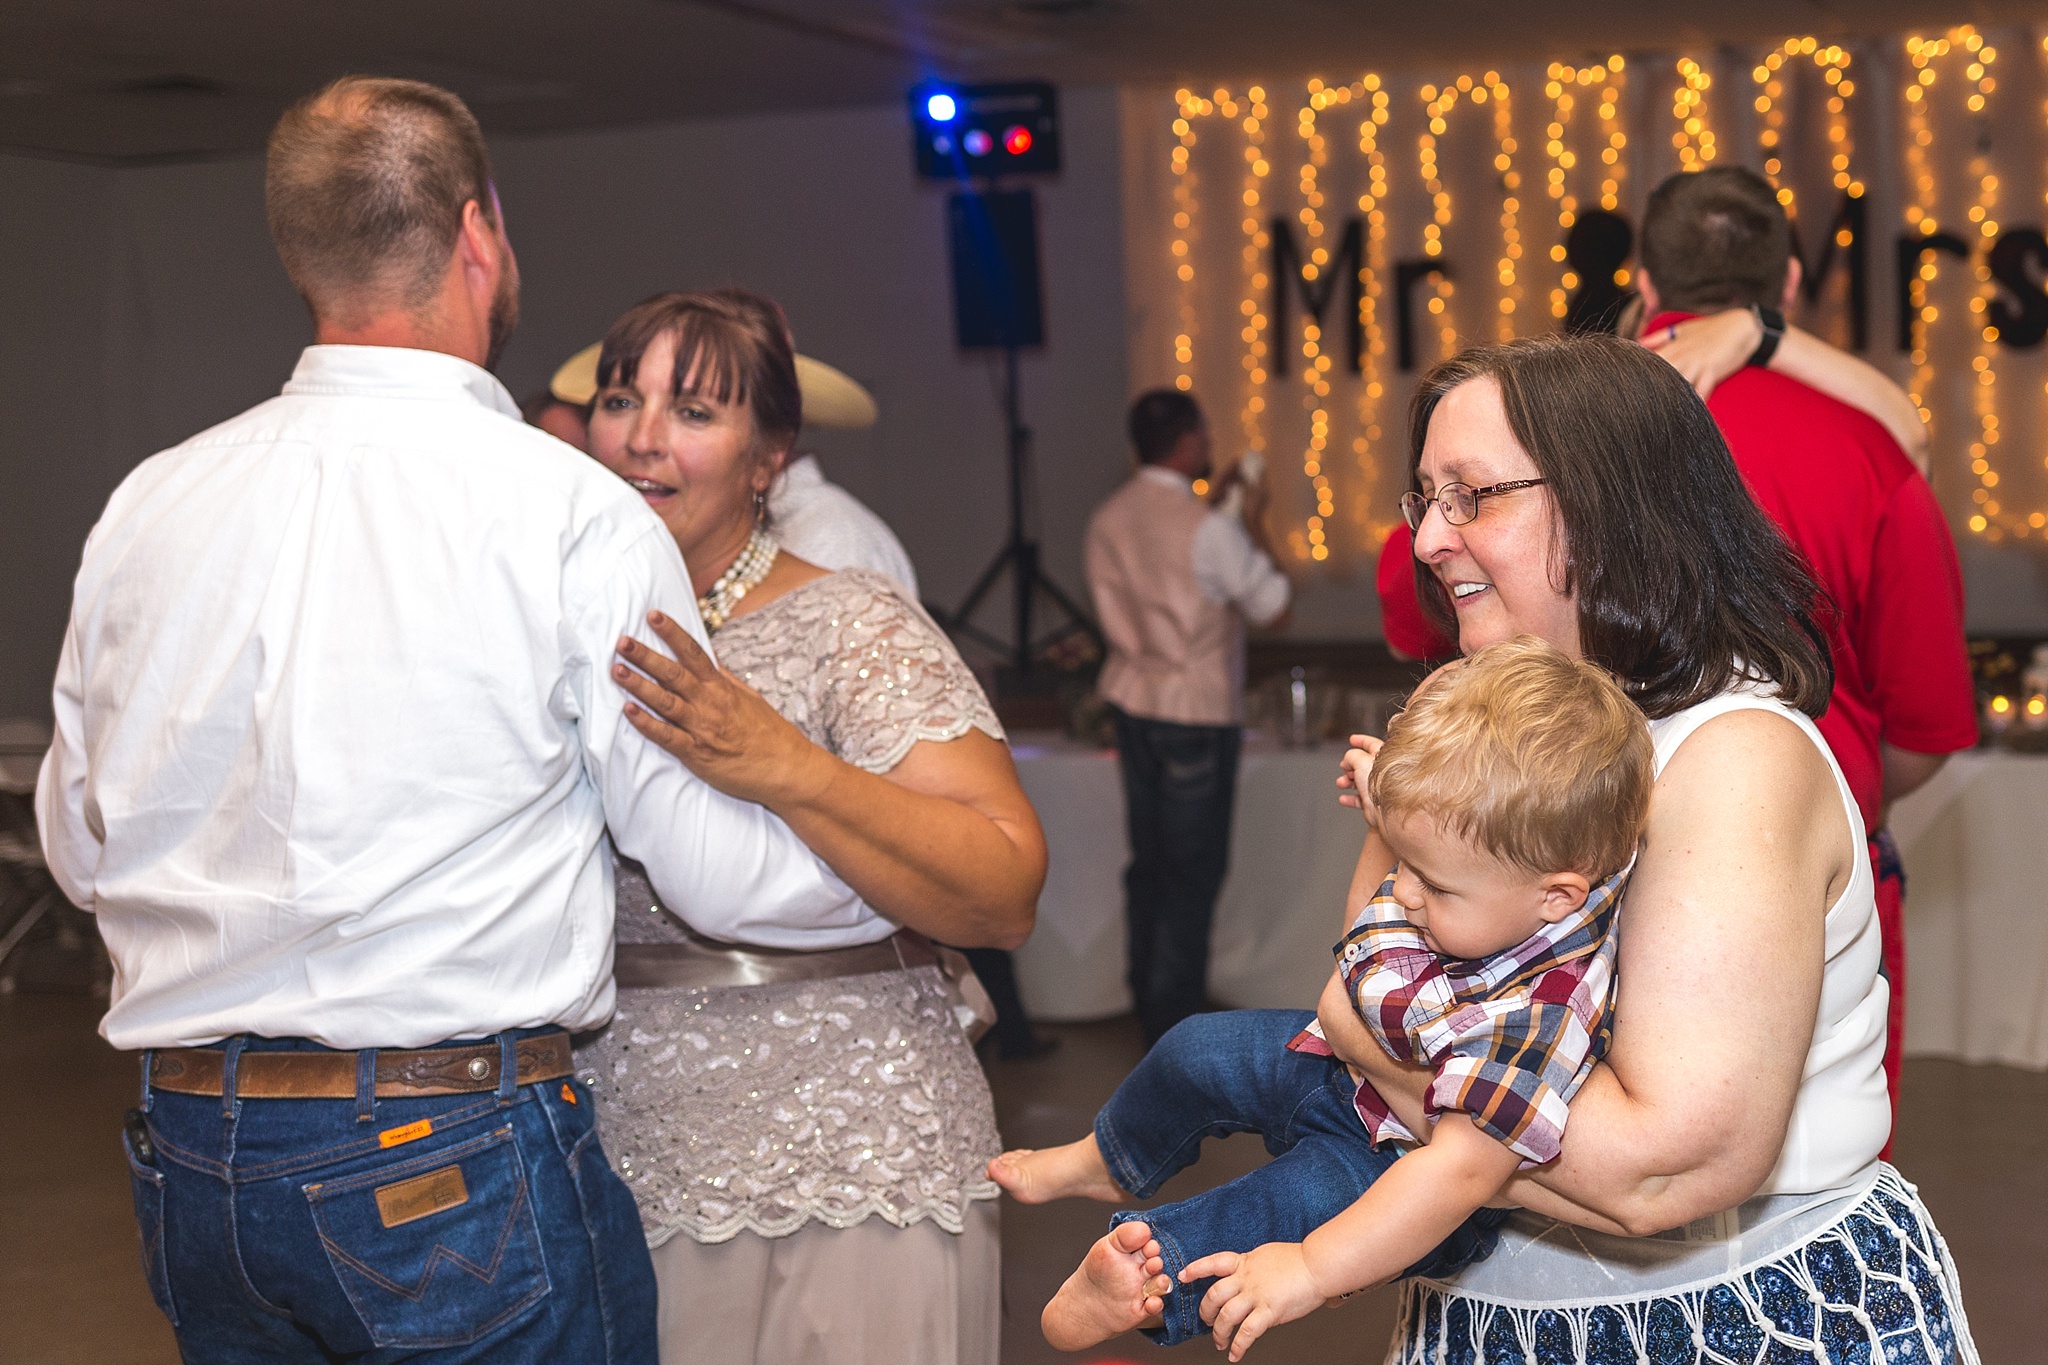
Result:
[1188,107]
[1496,90]
[1371,388]
[1980,83]
[1693,138]
[1255,329]
[1614,140]
[1315,370]
[1564,90]
[1437,104]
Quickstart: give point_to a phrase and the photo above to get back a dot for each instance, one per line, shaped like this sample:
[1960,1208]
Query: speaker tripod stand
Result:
[1019,555]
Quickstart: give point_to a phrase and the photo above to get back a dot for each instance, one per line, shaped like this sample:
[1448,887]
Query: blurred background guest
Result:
[1174,583]
[558,417]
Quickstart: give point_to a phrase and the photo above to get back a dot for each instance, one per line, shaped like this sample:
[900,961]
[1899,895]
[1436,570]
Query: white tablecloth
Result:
[1291,855]
[1975,843]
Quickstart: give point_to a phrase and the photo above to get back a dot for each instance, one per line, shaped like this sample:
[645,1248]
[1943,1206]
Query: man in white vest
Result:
[1174,582]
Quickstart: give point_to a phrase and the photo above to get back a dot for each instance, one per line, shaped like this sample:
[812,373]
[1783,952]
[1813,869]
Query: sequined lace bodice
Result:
[763,1108]
[858,667]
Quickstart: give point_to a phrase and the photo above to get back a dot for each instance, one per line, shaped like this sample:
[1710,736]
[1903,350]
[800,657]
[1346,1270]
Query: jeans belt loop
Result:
[148,1061]
[366,1085]
[508,1067]
[231,1059]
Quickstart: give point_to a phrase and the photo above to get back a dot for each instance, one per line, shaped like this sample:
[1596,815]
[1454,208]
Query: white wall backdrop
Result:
[138,306]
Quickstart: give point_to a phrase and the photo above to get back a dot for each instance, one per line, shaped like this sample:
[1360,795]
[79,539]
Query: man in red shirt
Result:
[1849,500]
[1409,633]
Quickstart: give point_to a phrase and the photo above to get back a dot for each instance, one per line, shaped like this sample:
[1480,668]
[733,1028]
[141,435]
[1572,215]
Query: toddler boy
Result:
[1512,792]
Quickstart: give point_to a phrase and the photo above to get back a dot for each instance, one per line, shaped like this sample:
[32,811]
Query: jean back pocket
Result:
[147,1183]
[439,1249]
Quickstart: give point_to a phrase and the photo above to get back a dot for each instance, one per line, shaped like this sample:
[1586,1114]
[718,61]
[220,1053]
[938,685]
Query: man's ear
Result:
[1648,289]
[1563,893]
[1790,294]
[477,242]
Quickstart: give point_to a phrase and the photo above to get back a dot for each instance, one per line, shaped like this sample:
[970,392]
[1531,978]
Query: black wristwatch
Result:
[1773,323]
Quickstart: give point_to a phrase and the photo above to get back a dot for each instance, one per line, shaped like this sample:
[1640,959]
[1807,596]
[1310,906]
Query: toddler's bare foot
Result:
[1075,1171]
[1117,1288]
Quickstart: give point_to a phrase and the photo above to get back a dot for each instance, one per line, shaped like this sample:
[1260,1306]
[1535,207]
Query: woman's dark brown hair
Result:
[1684,586]
[732,346]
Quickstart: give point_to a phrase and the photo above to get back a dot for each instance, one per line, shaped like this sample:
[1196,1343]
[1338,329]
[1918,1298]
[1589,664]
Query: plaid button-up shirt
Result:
[1512,1036]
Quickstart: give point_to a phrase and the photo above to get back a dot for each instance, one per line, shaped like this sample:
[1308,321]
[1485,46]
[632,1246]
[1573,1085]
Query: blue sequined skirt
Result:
[1874,1287]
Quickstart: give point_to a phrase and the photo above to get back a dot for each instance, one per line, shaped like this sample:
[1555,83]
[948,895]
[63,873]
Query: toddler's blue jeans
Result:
[1231,1072]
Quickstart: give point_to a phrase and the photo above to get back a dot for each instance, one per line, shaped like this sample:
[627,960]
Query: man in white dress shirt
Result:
[1174,582]
[336,749]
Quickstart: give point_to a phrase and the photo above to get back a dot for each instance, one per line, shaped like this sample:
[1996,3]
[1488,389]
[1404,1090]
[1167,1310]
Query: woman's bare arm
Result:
[945,843]
[1719,985]
[1707,349]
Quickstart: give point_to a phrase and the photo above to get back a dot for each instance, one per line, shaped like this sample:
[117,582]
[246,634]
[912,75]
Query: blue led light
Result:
[942,107]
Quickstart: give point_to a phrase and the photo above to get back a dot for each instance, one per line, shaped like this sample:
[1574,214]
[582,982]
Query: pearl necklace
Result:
[745,574]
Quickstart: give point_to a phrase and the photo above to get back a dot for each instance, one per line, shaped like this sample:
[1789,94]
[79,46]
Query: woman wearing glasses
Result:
[1578,490]
[1706,350]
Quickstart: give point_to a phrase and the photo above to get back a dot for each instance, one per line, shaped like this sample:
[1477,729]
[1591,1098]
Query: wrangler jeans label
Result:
[408,1200]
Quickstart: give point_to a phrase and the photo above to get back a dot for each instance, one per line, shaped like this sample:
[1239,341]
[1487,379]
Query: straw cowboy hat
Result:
[832,398]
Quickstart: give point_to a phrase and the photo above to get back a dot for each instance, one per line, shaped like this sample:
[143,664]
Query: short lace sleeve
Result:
[894,677]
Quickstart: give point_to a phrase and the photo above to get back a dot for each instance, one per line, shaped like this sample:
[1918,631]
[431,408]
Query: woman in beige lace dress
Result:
[795,1104]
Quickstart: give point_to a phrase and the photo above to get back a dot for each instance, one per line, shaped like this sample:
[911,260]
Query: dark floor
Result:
[1974,1138]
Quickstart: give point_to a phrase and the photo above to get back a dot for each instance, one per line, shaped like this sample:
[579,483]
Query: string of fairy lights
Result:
[1586,162]
[1693,140]
[1315,370]
[1371,386]
[1566,88]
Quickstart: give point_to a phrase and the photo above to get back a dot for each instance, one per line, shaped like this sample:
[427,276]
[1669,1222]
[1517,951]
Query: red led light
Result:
[1017,139]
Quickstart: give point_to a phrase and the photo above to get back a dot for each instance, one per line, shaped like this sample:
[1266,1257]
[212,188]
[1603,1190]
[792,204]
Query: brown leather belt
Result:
[332,1075]
[701,963]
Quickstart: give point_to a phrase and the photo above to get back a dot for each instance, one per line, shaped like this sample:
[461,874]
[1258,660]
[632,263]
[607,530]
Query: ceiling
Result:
[131,81]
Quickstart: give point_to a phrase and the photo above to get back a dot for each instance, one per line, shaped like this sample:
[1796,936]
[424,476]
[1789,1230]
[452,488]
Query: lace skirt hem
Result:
[948,1215]
[1877,1284]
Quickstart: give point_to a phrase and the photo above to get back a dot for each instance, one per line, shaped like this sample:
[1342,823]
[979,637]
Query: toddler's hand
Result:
[1259,1290]
[1353,783]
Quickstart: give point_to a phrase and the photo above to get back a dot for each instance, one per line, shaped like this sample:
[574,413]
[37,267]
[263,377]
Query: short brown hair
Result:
[365,184]
[1716,239]
[1685,588]
[1536,757]
[1159,419]
[732,345]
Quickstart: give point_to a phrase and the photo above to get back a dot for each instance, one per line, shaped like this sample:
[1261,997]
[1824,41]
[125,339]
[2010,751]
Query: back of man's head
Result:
[1716,239]
[1159,419]
[365,186]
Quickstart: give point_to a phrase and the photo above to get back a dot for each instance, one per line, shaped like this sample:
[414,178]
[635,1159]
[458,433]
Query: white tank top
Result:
[1842,1116]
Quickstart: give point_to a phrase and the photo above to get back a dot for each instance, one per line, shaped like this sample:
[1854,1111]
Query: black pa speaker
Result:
[993,238]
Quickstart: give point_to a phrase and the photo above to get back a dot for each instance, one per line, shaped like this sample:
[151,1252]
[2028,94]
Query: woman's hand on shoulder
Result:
[719,728]
[1707,349]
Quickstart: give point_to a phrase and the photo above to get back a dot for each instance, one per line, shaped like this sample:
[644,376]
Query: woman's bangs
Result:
[708,360]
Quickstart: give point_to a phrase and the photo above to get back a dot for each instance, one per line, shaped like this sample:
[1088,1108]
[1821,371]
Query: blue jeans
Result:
[285,1230]
[1180,782]
[1217,1074]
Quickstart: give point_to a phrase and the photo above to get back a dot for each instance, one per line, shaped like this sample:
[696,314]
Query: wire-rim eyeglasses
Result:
[1457,501]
